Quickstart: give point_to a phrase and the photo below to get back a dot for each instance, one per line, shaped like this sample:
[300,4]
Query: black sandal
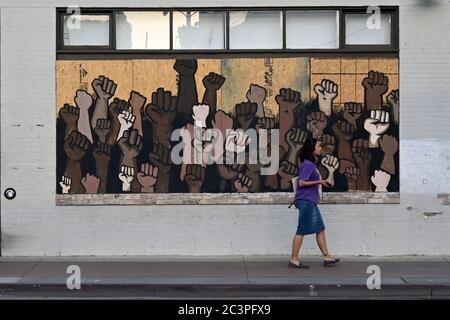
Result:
[329,263]
[298,266]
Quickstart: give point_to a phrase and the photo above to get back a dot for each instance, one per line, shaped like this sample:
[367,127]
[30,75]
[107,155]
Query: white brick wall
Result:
[31,224]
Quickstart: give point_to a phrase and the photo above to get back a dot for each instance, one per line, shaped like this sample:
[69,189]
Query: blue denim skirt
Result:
[309,218]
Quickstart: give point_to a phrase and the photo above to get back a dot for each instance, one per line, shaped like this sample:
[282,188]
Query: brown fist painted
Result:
[213,81]
[104,87]
[102,152]
[162,111]
[288,100]
[195,174]
[394,101]
[257,94]
[102,129]
[69,114]
[328,144]
[245,114]
[90,183]
[160,157]
[147,177]
[243,183]
[136,101]
[76,146]
[389,145]
[317,121]
[361,152]
[352,112]
[186,67]
[267,123]
[162,108]
[130,144]
[362,156]
[222,122]
[295,138]
[375,85]
[287,171]
[118,106]
[229,171]
[343,130]
[351,173]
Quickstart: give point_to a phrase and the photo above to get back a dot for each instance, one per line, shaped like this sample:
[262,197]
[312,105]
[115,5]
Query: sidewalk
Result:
[223,277]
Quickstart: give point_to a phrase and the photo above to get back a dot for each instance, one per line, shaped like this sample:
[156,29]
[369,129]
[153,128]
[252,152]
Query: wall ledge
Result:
[279,198]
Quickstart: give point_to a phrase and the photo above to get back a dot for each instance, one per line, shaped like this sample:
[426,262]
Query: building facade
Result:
[93,114]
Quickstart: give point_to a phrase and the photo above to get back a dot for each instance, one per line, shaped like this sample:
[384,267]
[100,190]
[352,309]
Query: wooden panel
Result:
[362,66]
[271,74]
[325,66]
[74,75]
[348,88]
[348,66]
[384,65]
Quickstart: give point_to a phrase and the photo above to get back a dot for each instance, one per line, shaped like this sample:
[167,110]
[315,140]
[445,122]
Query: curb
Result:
[183,291]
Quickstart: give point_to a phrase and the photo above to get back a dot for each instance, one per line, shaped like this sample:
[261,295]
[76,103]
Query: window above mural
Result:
[327,29]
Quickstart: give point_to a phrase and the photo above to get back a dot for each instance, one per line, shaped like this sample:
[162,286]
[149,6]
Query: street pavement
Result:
[234,277]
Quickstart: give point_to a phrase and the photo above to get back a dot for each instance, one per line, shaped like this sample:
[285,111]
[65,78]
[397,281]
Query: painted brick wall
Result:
[31,224]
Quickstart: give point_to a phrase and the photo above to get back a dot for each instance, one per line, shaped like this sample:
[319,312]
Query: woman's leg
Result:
[320,237]
[296,245]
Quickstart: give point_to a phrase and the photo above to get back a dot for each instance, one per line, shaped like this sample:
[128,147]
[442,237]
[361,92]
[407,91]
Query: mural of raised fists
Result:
[110,145]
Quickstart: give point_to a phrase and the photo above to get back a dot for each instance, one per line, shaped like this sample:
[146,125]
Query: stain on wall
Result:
[115,120]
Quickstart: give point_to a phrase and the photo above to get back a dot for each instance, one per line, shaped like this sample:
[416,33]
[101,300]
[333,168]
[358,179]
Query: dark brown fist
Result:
[245,113]
[76,146]
[213,81]
[69,114]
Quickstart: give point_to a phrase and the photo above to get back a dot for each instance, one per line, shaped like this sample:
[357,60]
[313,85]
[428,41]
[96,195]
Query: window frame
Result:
[86,12]
[283,29]
[225,26]
[115,11]
[357,47]
[339,29]
[111,52]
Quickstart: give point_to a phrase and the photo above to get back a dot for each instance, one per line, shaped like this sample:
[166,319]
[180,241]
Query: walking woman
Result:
[306,198]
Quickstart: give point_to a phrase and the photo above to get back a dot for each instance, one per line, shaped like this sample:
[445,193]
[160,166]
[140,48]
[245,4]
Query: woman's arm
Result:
[302,183]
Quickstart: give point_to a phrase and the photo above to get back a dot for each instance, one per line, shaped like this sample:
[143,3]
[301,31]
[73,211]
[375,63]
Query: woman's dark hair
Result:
[308,150]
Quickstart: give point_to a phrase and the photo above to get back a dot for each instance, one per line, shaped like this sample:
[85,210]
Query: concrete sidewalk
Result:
[223,277]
